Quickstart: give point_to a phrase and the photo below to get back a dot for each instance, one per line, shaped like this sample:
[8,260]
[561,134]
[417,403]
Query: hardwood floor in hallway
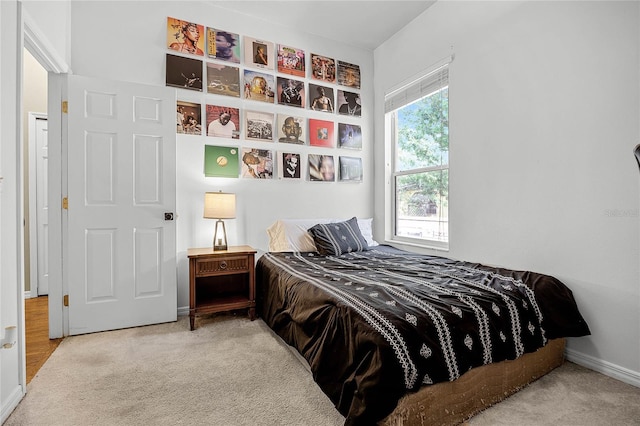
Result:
[39,346]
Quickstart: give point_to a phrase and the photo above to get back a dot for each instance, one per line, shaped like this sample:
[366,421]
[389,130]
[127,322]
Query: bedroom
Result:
[543,176]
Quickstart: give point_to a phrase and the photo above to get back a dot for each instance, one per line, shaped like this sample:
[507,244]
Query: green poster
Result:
[221,161]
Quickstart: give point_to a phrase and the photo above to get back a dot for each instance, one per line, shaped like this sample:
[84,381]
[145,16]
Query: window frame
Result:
[391,131]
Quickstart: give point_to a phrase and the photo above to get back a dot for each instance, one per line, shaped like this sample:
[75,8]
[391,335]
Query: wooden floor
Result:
[39,346]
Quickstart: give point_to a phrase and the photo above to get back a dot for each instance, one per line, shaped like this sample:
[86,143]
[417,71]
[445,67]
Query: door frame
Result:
[39,46]
[34,239]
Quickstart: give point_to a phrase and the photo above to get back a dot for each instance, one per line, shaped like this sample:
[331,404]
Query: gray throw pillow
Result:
[334,239]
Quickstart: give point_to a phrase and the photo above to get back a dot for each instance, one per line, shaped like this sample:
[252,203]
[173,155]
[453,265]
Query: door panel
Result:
[42,207]
[121,174]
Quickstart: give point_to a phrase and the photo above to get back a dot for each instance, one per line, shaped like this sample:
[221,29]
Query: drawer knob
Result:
[223,265]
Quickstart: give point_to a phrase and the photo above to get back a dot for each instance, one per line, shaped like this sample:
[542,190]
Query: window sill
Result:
[424,245]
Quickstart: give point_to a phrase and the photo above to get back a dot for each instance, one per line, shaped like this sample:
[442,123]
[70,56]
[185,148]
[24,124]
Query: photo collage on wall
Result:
[261,95]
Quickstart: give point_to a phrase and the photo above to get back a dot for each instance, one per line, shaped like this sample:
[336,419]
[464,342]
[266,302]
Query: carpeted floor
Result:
[231,371]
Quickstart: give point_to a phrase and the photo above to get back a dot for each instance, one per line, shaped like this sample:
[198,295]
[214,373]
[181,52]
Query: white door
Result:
[121,259]
[40,209]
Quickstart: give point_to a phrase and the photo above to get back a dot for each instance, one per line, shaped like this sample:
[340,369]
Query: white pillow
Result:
[366,228]
[292,235]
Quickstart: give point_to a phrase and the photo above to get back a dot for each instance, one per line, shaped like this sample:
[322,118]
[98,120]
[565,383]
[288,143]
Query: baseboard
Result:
[27,294]
[608,369]
[11,403]
[183,311]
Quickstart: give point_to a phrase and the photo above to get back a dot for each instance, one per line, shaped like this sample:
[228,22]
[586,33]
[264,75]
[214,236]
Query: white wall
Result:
[127,41]
[11,361]
[51,21]
[544,110]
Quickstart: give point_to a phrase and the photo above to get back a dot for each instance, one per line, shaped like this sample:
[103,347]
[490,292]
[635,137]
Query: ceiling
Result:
[360,23]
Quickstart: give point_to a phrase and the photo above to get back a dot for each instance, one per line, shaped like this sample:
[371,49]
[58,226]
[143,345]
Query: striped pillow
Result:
[334,239]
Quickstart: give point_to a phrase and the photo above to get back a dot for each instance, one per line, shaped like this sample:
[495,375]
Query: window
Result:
[417,120]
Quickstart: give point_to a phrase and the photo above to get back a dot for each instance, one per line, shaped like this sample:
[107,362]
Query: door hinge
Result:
[65,203]
[65,300]
[65,107]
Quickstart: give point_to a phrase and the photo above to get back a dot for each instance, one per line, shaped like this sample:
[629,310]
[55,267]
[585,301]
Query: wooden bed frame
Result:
[451,403]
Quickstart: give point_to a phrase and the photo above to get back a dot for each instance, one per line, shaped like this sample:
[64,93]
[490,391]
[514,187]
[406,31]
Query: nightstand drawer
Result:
[224,265]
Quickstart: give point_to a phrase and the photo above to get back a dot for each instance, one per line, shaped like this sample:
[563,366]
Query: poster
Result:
[259,53]
[321,98]
[291,129]
[223,45]
[349,136]
[349,103]
[323,68]
[223,122]
[321,133]
[184,73]
[257,163]
[221,161]
[291,61]
[290,165]
[291,92]
[348,75]
[258,86]
[322,168]
[350,169]
[185,37]
[188,118]
[223,80]
[259,126]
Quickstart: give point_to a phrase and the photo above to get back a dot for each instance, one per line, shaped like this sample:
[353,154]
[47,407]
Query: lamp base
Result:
[220,237]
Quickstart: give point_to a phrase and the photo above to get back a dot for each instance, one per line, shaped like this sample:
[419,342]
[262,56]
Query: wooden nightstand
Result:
[221,281]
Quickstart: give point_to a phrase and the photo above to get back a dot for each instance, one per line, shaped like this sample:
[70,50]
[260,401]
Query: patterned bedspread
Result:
[376,324]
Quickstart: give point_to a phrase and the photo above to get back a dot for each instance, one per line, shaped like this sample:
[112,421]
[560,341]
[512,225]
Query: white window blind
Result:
[425,85]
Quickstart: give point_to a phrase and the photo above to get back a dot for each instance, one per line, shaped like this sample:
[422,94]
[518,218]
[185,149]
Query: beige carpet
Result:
[231,371]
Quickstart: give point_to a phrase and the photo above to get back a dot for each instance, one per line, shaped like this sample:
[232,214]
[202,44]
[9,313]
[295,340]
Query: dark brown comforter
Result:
[374,325]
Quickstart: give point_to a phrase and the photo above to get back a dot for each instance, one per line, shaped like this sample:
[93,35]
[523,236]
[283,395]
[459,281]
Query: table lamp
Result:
[219,205]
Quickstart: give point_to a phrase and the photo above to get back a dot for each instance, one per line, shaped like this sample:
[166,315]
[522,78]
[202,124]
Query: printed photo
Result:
[221,161]
[259,126]
[290,165]
[223,80]
[257,163]
[184,73]
[323,68]
[188,118]
[258,86]
[291,92]
[322,168]
[348,74]
[291,129]
[223,122]
[349,136]
[185,37]
[223,45]
[349,103]
[321,98]
[291,61]
[258,53]
[320,133]
[350,169]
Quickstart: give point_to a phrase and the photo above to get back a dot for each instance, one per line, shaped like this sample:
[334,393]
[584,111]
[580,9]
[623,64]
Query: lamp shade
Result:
[219,205]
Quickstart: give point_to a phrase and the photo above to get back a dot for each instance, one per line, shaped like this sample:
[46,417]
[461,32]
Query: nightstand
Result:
[221,281]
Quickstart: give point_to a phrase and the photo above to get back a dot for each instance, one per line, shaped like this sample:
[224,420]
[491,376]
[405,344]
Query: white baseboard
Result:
[11,403]
[27,294]
[183,311]
[608,369]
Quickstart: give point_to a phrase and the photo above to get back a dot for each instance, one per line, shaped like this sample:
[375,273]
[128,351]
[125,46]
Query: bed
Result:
[399,338]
